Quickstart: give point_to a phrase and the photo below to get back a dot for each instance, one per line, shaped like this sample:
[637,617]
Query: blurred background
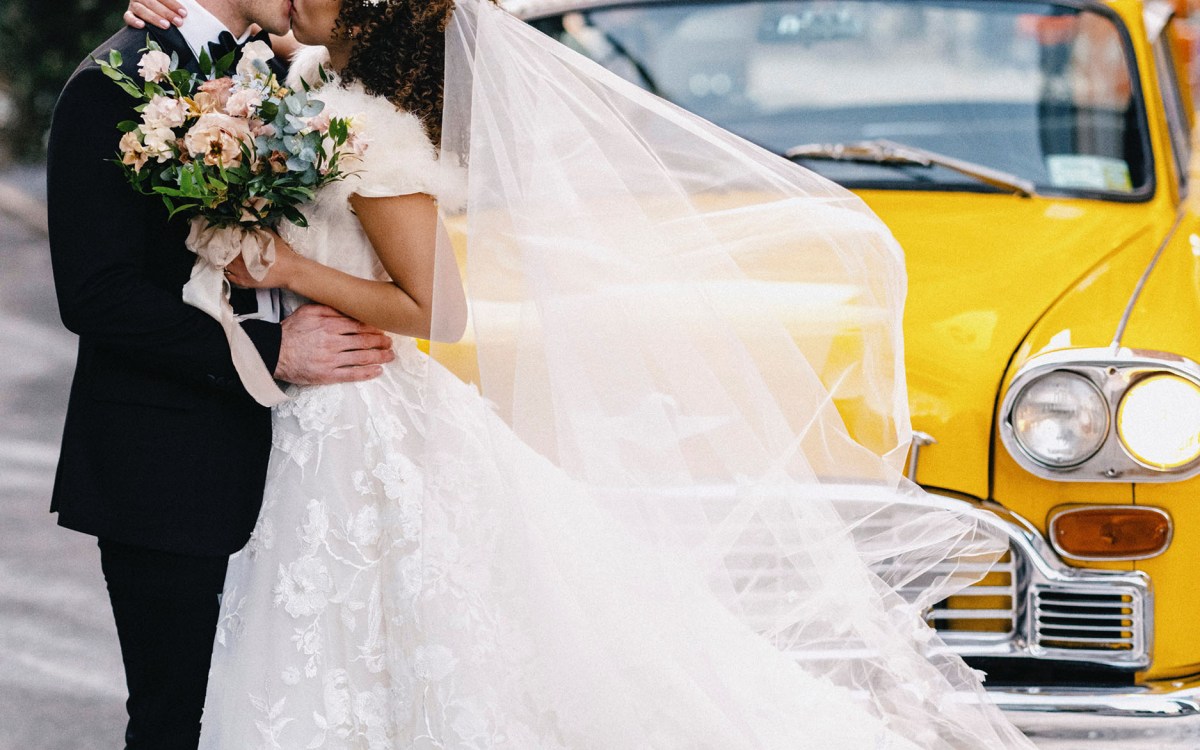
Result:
[43,41]
[61,685]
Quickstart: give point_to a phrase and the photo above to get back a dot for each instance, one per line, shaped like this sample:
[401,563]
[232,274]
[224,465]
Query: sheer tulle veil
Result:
[706,341]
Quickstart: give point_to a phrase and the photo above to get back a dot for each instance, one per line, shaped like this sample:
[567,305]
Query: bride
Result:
[673,519]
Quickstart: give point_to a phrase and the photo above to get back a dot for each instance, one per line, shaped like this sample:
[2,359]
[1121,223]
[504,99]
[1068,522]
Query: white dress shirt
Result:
[200,28]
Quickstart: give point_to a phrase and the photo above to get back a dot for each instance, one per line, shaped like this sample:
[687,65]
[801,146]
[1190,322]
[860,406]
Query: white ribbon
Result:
[208,290]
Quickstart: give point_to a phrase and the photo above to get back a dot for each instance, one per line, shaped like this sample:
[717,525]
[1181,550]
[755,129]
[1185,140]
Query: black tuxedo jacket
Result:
[162,447]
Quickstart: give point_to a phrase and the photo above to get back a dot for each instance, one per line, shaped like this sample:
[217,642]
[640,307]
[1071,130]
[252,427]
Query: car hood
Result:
[983,269]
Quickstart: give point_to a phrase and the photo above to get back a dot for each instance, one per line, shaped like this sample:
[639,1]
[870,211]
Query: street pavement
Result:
[61,683]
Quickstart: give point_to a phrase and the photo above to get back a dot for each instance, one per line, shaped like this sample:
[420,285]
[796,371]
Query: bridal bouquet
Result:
[234,149]
[238,152]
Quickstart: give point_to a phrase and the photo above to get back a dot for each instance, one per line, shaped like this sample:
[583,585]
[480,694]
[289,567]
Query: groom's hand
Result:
[320,346]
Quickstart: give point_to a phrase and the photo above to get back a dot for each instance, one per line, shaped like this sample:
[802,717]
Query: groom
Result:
[164,454]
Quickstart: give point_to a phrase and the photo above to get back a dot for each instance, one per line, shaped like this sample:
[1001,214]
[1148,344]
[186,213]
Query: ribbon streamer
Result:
[208,290]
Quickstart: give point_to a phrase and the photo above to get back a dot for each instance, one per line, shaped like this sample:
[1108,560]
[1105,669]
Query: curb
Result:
[25,209]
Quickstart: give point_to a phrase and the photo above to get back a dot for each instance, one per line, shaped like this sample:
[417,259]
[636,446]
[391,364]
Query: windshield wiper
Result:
[882,151]
[616,48]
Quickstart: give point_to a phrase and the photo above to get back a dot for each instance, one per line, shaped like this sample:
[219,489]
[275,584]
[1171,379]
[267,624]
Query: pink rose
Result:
[218,139]
[132,152]
[355,147]
[154,66]
[319,122]
[164,112]
[243,102]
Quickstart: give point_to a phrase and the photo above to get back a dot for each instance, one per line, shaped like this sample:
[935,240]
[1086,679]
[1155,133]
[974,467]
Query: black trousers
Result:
[166,607]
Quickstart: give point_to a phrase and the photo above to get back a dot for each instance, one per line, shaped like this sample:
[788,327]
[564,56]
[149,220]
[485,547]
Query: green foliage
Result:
[41,43]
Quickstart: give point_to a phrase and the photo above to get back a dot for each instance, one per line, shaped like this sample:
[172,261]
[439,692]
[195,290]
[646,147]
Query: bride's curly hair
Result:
[400,53]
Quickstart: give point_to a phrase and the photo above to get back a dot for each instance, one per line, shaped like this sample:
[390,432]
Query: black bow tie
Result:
[226,44]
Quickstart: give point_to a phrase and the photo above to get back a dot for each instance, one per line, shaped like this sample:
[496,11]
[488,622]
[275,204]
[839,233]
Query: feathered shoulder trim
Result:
[400,159]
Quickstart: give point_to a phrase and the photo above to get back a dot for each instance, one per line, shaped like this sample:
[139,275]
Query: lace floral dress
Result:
[401,591]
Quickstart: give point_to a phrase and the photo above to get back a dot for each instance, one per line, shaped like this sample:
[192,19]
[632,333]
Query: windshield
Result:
[1042,92]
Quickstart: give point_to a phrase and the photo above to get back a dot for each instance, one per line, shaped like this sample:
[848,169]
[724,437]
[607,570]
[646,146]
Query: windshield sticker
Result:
[1085,172]
[811,25]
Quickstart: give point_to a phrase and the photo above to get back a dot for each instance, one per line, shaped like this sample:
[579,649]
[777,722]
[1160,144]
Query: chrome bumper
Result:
[1154,715]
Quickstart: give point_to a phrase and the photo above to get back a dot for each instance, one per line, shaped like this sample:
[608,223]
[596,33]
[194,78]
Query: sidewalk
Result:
[61,684]
[23,197]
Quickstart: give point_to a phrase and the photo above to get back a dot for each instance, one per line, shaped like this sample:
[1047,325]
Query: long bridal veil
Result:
[703,530]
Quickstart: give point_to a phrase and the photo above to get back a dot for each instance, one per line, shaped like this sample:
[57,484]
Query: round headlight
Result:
[1158,421]
[1060,419]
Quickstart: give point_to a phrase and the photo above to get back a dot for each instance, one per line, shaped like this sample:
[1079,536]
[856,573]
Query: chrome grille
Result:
[1066,619]
[1033,605]
[984,610]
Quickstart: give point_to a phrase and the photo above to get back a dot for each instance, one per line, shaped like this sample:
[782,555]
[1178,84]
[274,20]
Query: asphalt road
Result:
[61,683]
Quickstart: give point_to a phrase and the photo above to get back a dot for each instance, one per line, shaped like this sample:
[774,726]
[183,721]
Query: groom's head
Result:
[273,15]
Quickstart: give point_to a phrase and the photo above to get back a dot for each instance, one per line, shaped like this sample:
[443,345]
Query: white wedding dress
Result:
[420,577]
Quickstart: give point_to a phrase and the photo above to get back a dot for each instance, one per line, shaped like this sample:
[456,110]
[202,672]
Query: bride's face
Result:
[314,21]
[271,15]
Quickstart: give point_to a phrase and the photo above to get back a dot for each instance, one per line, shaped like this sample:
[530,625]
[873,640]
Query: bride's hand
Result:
[161,13]
[279,275]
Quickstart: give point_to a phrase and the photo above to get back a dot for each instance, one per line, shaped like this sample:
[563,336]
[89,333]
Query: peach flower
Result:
[132,152]
[159,142]
[278,162]
[164,112]
[318,122]
[154,66]
[251,53]
[218,139]
[219,89]
[257,204]
[243,102]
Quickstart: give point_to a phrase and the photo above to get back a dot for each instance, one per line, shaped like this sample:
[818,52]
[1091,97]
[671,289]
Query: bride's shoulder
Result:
[399,158]
[380,120]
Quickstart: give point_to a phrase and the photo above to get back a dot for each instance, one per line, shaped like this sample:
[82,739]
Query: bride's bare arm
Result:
[163,13]
[403,231]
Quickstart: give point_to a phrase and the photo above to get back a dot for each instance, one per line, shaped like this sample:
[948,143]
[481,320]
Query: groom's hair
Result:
[400,53]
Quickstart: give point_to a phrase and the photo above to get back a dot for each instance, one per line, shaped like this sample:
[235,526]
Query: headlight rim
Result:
[1096,389]
[1112,369]
[1119,404]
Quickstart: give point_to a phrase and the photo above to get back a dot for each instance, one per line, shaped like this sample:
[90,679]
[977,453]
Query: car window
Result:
[1045,92]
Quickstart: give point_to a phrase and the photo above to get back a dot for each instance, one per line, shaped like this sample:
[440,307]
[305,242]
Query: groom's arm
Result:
[97,238]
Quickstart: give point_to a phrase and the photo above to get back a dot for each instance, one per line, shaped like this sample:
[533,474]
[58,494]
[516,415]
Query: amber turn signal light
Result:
[1110,532]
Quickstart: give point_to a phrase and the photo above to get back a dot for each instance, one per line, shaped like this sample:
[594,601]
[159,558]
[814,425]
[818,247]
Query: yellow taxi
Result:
[1033,160]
